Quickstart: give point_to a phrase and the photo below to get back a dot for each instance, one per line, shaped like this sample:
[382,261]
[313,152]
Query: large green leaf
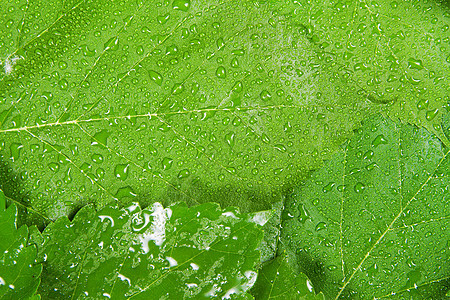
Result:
[374,221]
[188,100]
[155,253]
[19,274]
[276,280]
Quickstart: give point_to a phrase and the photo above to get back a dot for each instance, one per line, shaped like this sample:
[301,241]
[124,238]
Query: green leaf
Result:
[394,52]
[217,101]
[374,220]
[175,252]
[276,280]
[19,274]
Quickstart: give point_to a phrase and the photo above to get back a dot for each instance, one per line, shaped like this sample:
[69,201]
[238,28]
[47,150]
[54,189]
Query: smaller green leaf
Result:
[276,280]
[19,275]
[177,252]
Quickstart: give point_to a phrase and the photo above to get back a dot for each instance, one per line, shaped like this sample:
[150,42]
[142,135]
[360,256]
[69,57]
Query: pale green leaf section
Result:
[155,253]
[374,221]
[394,52]
[19,273]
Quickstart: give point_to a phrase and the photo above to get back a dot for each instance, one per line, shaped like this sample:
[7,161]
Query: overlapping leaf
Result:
[19,274]
[276,280]
[374,221]
[175,252]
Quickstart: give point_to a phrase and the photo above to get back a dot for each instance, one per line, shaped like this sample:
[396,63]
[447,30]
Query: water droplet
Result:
[238,87]
[220,43]
[101,137]
[360,67]
[125,192]
[410,263]
[277,171]
[238,52]
[63,84]
[221,72]
[112,43]
[121,171]
[231,170]
[229,138]
[303,214]
[183,174]
[153,151]
[182,5]
[431,114]
[359,187]
[379,140]
[371,166]
[67,178]
[422,104]
[415,64]
[139,50]
[332,267]
[321,226]
[265,138]
[280,147]
[369,154]
[328,187]
[162,19]
[265,95]
[167,163]
[178,89]
[15,149]
[156,77]
[234,63]
[86,51]
[53,166]
[97,158]
[172,49]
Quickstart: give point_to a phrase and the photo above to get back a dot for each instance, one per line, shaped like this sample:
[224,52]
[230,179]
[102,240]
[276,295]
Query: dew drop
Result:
[182,5]
[15,150]
[303,214]
[359,187]
[431,114]
[328,187]
[112,43]
[183,174]
[415,64]
[321,226]
[221,72]
[156,77]
[121,171]
[167,163]
[265,95]
[379,140]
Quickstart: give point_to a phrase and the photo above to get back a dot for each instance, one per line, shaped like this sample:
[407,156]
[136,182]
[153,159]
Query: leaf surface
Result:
[395,52]
[276,280]
[213,100]
[374,221]
[175,252]
[19,274]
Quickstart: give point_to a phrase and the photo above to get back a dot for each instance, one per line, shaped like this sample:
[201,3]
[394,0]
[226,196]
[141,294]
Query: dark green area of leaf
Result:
[19,273]
[375,219]
[175,252]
